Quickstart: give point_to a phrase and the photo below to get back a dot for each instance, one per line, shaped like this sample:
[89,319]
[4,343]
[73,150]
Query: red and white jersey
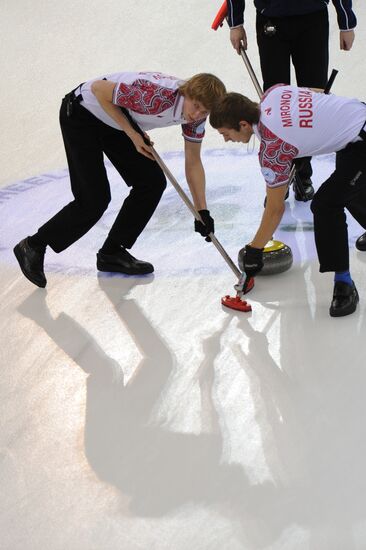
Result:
[297,122]
[152,100]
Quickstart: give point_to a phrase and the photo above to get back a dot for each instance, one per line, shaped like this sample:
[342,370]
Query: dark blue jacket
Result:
[284,8]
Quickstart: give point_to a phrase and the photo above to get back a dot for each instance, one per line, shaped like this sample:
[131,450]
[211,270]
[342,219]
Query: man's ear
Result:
[244,124]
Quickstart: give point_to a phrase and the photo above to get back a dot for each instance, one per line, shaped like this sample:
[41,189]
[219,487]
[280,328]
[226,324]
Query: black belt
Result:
[362,133]
[71,98]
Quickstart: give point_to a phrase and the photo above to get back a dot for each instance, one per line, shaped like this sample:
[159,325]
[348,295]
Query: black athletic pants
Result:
[86,138]
[302,39]
[345,188]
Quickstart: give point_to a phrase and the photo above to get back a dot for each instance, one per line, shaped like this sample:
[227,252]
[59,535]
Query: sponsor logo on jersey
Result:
[268,174]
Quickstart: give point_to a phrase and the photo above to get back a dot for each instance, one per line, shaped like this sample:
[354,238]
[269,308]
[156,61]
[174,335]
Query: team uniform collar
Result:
[178,108]
[256,130]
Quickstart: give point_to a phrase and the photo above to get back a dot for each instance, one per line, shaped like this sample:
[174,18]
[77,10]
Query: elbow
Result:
[99,88]
[95,87]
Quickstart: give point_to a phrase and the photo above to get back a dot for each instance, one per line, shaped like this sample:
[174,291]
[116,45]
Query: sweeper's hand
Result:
[142,144]
[238,38]
[253,260]
[346,39]
[207,226]
[245,283]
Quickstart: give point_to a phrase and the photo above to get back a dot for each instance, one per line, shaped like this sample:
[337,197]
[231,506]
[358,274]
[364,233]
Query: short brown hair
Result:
[204,87]
[233,108]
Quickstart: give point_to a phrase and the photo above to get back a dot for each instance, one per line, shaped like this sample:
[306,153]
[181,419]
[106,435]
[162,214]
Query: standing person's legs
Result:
[274,51]
[310,49]
[147,183]
[310,57]
[275,56]
[341,190]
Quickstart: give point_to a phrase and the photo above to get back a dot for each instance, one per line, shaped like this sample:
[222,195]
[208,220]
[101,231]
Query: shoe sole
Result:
[110,268]
[344,312]
[306,199]
[19,258]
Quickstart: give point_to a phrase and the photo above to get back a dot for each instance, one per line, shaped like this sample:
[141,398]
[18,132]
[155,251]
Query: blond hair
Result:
[204,87]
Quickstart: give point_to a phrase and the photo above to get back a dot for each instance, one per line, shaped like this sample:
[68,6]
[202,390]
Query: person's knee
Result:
[149,187]
[156,185]
[319,204]
[327,210]
[95,208]
[160,183]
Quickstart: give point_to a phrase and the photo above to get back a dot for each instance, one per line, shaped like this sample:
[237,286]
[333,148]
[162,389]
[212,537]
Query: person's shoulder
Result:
[161,79]
[273,89]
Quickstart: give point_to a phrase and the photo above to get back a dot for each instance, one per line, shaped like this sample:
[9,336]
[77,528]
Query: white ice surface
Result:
[138,413]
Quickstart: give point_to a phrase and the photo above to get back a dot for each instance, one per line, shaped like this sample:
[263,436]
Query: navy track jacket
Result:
[284,8]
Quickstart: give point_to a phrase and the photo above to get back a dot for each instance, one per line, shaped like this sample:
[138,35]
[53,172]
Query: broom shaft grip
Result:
[251,72]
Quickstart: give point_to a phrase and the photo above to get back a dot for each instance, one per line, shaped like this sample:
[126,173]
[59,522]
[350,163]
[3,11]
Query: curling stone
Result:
[277,258]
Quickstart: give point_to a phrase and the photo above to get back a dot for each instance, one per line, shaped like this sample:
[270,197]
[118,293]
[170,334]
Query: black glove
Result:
[253,260]
[207,226]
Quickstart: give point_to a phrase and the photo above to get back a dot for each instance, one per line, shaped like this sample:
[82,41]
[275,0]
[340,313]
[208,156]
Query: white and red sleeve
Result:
[275,157]
[194,131]
[144,97]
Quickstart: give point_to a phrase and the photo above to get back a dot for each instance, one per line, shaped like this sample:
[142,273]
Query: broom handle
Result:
[195,213]
[251,72]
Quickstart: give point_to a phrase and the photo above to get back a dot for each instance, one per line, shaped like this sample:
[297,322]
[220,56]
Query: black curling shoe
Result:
[122,262]
[308,188]
[361,243]
[345,299]
[31,262]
